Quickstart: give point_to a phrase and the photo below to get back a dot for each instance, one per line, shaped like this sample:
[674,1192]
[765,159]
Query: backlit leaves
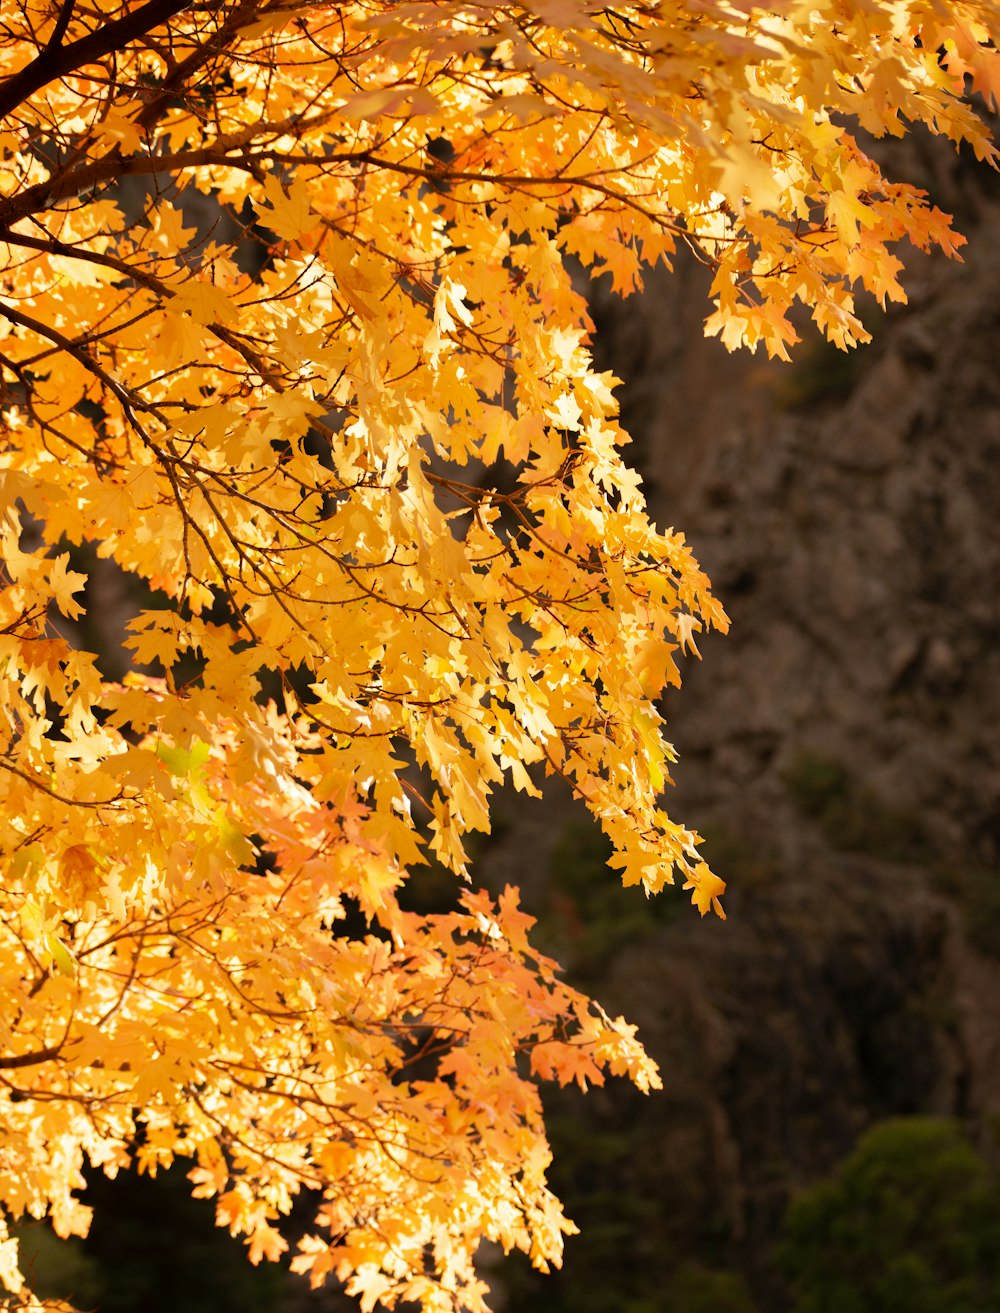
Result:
[291,329]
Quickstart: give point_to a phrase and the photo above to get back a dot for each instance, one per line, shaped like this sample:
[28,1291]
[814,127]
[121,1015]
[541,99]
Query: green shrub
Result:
[909,1223]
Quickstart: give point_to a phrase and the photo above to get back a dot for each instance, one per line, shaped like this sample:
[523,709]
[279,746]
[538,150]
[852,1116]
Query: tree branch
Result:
[62,23]
[56,60]
[62,186]
[77,349]
[180,77]
[31,1059]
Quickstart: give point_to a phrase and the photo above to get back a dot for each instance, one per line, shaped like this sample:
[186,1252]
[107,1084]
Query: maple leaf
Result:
[63,584]
[288,212]
[707,890]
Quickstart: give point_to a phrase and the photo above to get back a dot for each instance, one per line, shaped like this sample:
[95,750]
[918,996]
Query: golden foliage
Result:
[340,419]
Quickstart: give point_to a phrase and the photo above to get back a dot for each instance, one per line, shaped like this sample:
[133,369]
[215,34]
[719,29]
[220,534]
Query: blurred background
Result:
[828,1138]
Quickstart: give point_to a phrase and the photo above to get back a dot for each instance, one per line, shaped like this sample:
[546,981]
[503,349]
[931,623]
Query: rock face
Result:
[839,751]
[858,550]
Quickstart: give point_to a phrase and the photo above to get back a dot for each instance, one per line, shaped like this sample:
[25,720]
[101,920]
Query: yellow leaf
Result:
[288,213]
[204,303]
[707,889]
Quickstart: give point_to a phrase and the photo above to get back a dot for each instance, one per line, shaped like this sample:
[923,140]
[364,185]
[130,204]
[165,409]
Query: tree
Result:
[338,418]
[908,1223]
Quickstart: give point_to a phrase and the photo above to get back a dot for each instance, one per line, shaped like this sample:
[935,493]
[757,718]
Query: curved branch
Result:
[71,181]
[59,31]
[59,797]
[77,349]
[31,1059]
[56,60]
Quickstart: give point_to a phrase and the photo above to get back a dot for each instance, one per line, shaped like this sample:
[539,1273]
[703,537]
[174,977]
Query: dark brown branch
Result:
[31,1059]
[62,23]
[180,76]
[57,60]
[72,181]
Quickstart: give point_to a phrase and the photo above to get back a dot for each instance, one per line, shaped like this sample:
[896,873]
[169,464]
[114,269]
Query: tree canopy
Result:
[293,330]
